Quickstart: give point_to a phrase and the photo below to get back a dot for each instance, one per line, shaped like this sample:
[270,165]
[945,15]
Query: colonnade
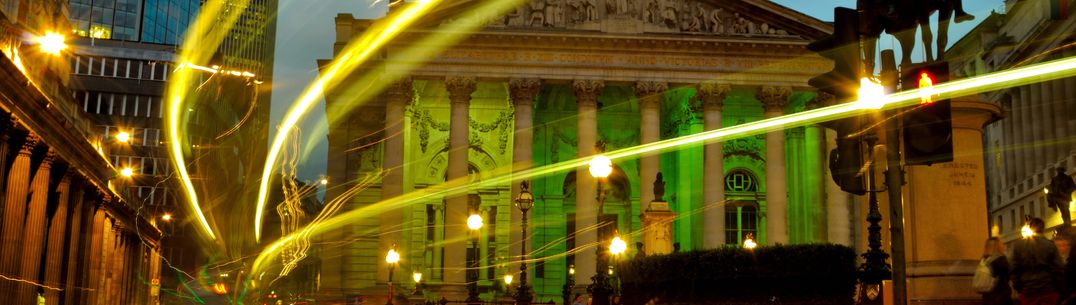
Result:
[1039,130]
[650,94]
[63,236]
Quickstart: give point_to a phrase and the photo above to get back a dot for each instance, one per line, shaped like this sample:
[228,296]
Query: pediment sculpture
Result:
[634,16]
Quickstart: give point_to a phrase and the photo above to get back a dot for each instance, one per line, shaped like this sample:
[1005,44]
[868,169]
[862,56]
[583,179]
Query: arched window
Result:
[741,181]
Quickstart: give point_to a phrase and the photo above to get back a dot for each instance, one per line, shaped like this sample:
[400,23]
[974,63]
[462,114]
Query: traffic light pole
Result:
[894,179]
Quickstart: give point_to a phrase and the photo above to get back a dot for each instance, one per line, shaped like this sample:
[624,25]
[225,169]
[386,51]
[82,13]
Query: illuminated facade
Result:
[1036,136]
[543,85]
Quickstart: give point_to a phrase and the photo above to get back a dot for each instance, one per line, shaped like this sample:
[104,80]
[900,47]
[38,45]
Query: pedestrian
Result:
[1036,267]
[579,300]
[994,257]
[1059,195]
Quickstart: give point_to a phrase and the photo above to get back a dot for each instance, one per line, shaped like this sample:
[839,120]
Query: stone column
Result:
[1070,107]
[1037,130]
[586,206]
[1049,139]
[396,97]
[1026,138]
[100,284]
[650,95]
[522,92]
[54,256]
[713,100]
[940,265]
[773,100]
[1007,141]
[456,237]
[75,256]
[6,127]
[33,237]
[18,186]
[1060,120]
[91,275]
[838,220]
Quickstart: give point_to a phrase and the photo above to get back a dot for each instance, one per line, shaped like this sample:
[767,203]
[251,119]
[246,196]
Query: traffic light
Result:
[843,82]
[928,129]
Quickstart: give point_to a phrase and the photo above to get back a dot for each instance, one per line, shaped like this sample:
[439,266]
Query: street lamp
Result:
[524,202]
[167,217]
[52,43]
[417,276]
[127,172]
[749,242]
[123,137]
[616,247]
[474,222]
[566,292]
[600,290]
[392,258]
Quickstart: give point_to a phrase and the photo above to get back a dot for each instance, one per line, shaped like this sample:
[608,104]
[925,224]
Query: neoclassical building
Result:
[544,84]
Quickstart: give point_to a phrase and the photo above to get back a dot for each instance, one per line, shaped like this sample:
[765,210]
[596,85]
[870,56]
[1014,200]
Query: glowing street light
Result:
[617,246]
[508,279]
[1026,231]
[52,43]
[166,217]
[601,166]
[324,181]
[392,258]
[123,137]
[127,172]
[474,222]
[871,94]
[417,276]
[749,242]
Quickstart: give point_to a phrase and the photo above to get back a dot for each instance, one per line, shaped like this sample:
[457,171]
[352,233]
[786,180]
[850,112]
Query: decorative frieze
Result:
[401,91]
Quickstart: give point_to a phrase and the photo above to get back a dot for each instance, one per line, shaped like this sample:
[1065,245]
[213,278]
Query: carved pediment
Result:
[635,16]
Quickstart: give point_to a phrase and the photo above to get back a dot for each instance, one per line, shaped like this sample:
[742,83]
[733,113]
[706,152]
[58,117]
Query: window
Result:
[539,268]
[108,66]
[739,222]
[1001,223]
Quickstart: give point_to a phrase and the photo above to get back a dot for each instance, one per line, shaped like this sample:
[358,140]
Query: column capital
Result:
[50,156]
[587,91]
[524,90]
[823,99]
[460,88]
[650,92]
[713,95]
[28,146]
[773,98]
[400,91]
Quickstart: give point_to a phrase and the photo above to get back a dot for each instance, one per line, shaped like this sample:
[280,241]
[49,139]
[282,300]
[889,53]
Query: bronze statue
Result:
[901,19]
[1059,195]
[659,188]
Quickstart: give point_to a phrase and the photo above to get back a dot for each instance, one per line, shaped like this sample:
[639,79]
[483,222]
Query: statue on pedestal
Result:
[1059,195]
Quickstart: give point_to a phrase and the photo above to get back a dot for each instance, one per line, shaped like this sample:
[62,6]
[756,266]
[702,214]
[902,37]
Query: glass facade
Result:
[153,21]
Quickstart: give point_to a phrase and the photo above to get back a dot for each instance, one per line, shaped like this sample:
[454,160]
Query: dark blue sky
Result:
[305,33]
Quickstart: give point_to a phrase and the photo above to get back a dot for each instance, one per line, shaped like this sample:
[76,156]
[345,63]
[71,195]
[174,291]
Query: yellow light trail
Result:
[353,54]
[203,38]
[989,82]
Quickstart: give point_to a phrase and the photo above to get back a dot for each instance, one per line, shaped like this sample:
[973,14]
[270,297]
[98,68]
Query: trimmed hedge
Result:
[797,274]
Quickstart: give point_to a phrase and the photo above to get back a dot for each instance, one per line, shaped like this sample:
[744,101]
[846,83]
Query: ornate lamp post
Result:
[525,202]
[600,290]
[392,258]
[417,276]
[566,292]
[474,222]
[616,247]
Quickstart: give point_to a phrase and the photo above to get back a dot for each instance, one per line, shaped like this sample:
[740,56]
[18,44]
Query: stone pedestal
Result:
[946,214]
[657,228]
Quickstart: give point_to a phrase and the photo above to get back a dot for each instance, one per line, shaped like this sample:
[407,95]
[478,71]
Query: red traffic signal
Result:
[928,130]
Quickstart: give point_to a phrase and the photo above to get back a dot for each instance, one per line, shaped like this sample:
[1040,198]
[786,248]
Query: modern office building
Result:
[124,53]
